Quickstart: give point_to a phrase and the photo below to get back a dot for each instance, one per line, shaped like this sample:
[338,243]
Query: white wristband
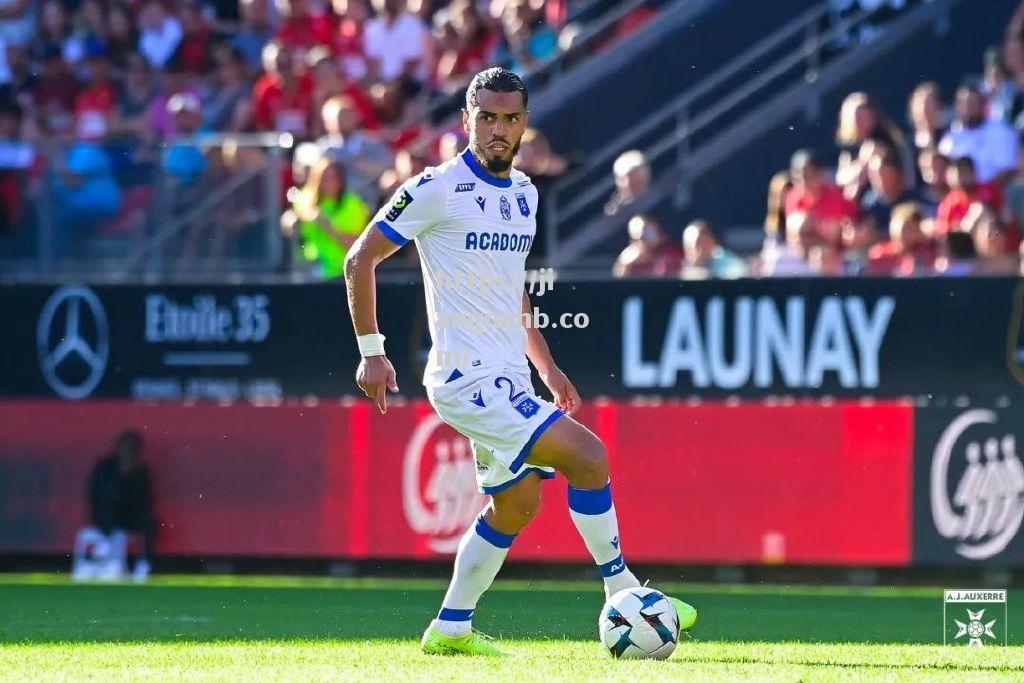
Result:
[370,344]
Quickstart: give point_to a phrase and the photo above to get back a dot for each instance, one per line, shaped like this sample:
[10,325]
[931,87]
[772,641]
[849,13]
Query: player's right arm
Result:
[417,205]
[375,374]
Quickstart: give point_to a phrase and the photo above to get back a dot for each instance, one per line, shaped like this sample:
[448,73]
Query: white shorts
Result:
[502,416]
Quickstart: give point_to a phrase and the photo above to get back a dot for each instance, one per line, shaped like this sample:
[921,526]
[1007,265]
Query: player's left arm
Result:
[566,397]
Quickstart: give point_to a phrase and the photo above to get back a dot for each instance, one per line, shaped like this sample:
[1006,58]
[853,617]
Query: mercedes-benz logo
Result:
[73,341]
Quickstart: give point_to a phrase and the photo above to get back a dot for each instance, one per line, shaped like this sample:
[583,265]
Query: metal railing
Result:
[673,137]
[120,210]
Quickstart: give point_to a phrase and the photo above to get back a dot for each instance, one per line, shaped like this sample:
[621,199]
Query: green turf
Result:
[223,628]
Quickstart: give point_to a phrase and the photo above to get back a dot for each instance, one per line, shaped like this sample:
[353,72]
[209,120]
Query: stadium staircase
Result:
[714,145]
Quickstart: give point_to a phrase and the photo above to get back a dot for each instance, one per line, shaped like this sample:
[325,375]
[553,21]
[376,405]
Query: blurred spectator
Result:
[174,81]
[791,257]
[528,41]
[965,190]
[122,38]
[397,45]
[649,253]
[85,191]
[908,251]
[183,161]
[933,167]
[1015,197]
[864,130]
[160,33]
[365,157]
[408,163]
[957,255]
[54,97]
[775,216]
[283,96]
[17,158]
[814,195]
[329,217]
[856,241]
[632,181]
[536,159]
[227,106]
[329,81]
[253,33]
[55,33]
[404,122]
[466,45]
[97,102]
[348,44]
[302,28]
[135,97]
[17,22]
[927,115]
[888,188]
[21,81]
[996,255]
[990,143]
[705,258]
[120,498]
[1004,81]
[196,48]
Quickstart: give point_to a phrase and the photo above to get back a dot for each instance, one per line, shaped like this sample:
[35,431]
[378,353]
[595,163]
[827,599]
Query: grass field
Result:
[274,629]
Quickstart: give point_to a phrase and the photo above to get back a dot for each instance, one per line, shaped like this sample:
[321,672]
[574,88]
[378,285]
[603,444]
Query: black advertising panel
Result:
[750,338]
[968,486]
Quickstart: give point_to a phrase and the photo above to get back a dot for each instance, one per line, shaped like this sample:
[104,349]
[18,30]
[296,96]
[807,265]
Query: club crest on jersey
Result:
[524,206]
[464,187]
[505,207]
[403,200]
[481,202]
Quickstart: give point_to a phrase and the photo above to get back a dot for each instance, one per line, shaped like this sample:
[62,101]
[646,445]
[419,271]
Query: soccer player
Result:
[474,220]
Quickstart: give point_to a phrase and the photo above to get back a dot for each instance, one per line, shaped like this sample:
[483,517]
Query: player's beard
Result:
[498,164]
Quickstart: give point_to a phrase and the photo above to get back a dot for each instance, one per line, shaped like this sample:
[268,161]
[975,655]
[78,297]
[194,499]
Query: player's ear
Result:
[465,120]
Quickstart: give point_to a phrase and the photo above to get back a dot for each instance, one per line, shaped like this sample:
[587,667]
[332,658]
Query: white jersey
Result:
[473,232]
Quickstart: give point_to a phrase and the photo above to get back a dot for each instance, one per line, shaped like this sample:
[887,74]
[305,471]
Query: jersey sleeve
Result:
[416,206]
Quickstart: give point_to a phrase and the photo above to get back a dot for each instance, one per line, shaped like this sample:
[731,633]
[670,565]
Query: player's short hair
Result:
[495,79]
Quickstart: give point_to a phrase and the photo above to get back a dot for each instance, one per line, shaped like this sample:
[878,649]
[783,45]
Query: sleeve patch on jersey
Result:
[403,200]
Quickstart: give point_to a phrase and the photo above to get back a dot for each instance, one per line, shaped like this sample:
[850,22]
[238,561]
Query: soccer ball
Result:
[639,623]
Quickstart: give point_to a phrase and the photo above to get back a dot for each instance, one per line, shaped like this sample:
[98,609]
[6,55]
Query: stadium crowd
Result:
[943,195]
[104,96]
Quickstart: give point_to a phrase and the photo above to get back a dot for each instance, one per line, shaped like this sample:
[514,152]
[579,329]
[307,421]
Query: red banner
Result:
[711,483]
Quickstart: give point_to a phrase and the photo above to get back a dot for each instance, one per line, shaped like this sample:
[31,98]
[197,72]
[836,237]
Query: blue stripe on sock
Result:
[455,614]
[590,501]
[616,566]
[492,535]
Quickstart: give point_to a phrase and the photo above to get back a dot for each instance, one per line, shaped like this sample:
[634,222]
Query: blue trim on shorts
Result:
[590,501]
[455,614]
[392,234]
[491,490]
[521,458]
[492,535]
[616,566]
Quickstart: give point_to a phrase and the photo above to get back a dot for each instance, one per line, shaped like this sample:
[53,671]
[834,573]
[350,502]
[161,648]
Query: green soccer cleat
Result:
[473,643]
[687,614]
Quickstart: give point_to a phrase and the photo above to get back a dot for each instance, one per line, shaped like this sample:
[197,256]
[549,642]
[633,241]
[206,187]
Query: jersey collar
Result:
[481,173]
